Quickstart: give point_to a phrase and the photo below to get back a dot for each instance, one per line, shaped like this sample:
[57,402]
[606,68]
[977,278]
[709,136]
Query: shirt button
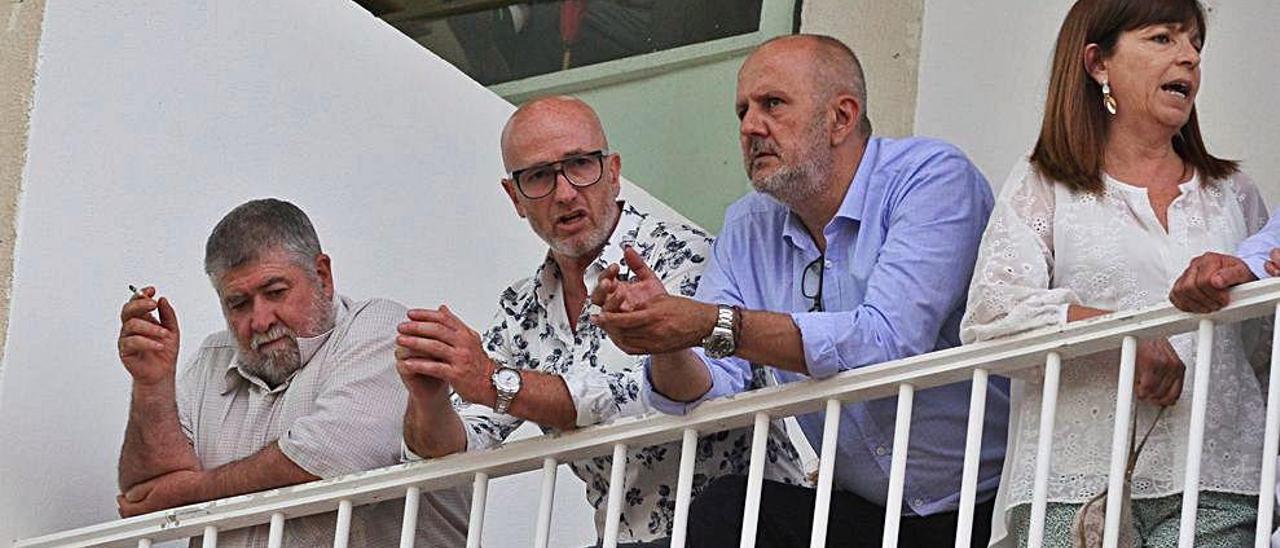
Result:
[917,502]
[881,451]
[827,263]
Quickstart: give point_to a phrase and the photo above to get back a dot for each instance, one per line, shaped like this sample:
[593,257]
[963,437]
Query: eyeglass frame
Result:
[820,263]
[559,171]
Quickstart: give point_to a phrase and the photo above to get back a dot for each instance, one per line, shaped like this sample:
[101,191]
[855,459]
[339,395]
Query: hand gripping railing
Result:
[975,363]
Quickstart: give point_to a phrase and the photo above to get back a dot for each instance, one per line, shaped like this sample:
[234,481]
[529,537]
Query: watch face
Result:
[718,345]
[507,380]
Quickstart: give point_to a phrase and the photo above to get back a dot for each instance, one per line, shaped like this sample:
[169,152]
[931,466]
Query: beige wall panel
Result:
[886,37]
[18,39]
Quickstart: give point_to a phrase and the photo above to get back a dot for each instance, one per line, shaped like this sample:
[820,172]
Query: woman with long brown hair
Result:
[1117,196]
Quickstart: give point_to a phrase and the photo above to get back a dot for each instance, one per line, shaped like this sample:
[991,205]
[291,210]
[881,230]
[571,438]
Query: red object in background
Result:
[571,15]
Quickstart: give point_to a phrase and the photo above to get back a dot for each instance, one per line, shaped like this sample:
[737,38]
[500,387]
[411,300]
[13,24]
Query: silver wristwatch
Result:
[507,382]
[723,340]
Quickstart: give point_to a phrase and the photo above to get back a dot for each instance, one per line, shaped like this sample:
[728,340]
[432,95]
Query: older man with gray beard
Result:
[300,387]
[856,250]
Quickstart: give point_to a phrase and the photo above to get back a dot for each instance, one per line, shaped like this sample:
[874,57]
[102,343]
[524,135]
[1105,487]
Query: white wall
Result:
[984,69]
[154,118]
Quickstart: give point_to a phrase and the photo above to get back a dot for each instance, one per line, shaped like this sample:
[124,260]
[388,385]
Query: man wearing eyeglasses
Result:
[541,360]
[856,250]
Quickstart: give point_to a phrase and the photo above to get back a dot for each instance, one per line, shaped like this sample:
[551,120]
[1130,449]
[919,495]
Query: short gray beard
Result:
[798,183]
[593,240]
[275,366]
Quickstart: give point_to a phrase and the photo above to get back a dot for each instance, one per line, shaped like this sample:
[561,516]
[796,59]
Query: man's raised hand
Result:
[614,295]
[149,347]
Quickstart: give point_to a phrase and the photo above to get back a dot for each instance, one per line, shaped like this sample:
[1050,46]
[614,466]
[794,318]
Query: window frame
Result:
[777,17]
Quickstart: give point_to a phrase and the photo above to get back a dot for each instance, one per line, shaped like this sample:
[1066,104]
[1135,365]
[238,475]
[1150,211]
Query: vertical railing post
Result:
[409,523]
[210,537]
[1270,442]
[1120,441]
[275,532]
[684,487]
[972,458]
[826,473]
[479,494]
[755,480]
[343,532]
[898,465]
[1044,448]
[542,535]
[1195,440]
[617,487]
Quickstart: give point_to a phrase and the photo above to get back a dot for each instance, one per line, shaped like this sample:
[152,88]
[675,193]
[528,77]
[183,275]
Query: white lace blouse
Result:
[1046,248]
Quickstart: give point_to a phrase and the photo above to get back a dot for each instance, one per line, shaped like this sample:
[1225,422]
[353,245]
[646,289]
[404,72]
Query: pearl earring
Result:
[1108,100]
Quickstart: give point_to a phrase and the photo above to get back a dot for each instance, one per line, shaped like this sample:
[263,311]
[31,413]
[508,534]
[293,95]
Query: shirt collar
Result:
[852,207]
[308,347]
[855,199]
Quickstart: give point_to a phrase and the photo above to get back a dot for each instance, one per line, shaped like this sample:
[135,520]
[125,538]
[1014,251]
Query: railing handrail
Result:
[872,382]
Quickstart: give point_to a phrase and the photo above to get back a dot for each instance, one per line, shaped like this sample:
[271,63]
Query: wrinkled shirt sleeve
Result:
[1010,292]
[1256,249]
[935,221]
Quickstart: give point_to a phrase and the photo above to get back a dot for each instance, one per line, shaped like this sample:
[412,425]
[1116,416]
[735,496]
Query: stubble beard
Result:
[589,242]
[274,366]
[797,183]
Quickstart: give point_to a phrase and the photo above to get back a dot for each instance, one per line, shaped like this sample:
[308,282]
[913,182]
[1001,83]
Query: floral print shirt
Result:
[531,331]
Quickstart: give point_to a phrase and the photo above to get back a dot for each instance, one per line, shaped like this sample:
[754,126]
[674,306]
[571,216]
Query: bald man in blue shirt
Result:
[855,250]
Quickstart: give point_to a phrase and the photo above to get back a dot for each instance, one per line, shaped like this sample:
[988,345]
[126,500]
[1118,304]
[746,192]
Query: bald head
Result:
[544,117]
[833,68]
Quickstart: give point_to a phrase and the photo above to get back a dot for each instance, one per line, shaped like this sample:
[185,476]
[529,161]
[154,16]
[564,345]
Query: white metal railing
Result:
[903,378]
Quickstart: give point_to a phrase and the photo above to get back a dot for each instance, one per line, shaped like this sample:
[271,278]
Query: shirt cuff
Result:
[592,398]
[721,385]
[820,355]
[1257,265]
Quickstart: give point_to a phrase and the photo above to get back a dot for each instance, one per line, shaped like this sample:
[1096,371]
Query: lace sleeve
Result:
[1011,290]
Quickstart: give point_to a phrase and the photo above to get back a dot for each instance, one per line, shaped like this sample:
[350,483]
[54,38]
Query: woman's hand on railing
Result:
[1158,373]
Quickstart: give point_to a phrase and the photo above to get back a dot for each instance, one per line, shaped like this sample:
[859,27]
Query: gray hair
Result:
[257,227]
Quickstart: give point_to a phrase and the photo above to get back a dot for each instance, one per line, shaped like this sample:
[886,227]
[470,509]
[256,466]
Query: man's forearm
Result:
[1077,312]
[154,444]
[679,376]
[433,429]
[267,469]
[767,338]
[771,338]
[545,400]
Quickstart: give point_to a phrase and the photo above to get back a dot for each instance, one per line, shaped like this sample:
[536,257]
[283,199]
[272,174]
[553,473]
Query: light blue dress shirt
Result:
[900,252]
[1256,249]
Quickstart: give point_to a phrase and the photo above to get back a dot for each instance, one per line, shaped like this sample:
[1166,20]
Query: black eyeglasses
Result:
[581,170]
[811,278]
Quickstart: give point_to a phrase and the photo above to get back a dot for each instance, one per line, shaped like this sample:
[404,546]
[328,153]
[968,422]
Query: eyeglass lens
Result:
[583,170]
[811,283]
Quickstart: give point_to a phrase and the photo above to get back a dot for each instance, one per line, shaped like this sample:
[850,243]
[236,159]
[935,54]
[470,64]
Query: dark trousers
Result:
[786,519]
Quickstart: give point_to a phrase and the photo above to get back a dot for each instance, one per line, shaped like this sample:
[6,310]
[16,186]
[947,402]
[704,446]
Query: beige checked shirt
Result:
[340,413]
